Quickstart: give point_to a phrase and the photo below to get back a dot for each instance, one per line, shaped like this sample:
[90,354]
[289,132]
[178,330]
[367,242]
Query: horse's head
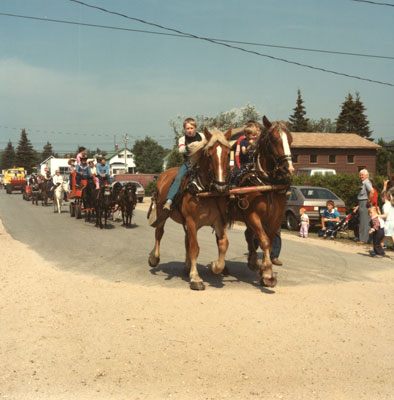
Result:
[213,160]
[273,154]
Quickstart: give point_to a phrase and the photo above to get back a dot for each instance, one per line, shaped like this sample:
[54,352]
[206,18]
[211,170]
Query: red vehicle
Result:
[75,196]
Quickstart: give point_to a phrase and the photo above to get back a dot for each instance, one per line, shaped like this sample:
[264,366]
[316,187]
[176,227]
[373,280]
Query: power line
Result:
[189,37]
[376,3]
[235,47]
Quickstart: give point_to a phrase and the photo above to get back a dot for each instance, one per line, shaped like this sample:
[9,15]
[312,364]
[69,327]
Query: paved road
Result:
[120,254]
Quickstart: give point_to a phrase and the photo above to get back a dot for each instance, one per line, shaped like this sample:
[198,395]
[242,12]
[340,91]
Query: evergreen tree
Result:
[352,118]
[346,116]
[322,125]
[297,120]
[47,152]
[8,157]
[361,123]
[25,154]
[148,156]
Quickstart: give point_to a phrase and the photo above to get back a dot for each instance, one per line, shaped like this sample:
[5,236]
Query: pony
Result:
[58,196]
[89,198]
[45,188]
[127,201]
[211,158]
[103,207]
[262,212]
[35,193]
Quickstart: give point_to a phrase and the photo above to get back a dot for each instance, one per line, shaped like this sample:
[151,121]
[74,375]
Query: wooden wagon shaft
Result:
[244,190]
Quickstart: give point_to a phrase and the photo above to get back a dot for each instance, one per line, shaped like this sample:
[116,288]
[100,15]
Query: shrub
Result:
[150,188]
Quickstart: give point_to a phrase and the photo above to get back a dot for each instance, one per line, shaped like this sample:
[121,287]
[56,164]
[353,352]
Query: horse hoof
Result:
[269,282]
[153,261]
[197,286]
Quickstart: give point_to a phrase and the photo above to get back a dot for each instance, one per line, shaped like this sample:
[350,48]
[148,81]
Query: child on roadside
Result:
[304,223]
[377,225]
[388,215]
[330,216]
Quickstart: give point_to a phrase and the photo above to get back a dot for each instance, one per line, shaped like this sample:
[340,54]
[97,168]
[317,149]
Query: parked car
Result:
[315,171]
[140,189]
[313,199]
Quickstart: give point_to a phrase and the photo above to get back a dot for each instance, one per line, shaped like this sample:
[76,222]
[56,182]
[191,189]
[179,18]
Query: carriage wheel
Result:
[72,209]
[78,213]
[141,199]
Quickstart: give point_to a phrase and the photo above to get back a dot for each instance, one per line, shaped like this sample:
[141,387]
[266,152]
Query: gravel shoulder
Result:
[73,336]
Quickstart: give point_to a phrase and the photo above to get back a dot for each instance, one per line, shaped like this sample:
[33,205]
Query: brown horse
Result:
[127,200]
[45,188]
[211,158]
[262,212]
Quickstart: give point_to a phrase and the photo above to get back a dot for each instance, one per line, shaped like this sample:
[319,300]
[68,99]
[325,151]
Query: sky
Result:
[76,85]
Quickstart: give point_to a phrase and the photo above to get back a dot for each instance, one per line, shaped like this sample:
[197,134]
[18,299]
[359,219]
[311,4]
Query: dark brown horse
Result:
[45,188]
[211,158]
[262,212]
[127,200]
[35,193]
[103,205]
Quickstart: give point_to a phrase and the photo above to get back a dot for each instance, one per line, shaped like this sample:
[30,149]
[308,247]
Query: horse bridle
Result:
[212,180]
[278,161]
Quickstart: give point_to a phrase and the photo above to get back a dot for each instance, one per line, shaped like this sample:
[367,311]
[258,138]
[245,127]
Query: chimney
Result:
[116,147]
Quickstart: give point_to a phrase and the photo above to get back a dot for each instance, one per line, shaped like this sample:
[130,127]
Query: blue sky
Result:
[75,85]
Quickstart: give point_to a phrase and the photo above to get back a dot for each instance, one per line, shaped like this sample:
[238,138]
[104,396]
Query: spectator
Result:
[329,217]
[388,214]
[389,184]
[304,223]
[377,232]
[364,197]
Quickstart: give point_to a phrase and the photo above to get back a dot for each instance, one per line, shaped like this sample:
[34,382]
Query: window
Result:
[295,158]
[332,158]
[313,158]
[63,170]
[350,159]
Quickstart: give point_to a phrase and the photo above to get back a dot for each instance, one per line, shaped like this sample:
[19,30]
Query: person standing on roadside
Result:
[364,197]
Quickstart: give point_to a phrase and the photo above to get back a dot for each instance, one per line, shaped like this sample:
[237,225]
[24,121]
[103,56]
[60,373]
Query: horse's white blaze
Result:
[219,153]
[286,148]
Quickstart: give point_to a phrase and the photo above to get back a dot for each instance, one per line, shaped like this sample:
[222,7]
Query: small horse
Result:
[89,198]
[127,201]
[58,196]
[211,157]
[103,205]
[35,193]
[262,212]
[45,188]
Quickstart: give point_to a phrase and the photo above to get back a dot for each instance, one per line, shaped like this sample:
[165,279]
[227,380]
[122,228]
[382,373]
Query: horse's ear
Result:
[227,135]
[266,122]
[207,134]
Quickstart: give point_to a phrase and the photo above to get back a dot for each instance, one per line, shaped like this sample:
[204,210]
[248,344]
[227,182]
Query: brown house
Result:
[347,153]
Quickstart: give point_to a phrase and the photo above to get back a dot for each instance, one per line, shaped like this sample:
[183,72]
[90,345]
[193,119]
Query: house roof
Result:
[331,140]
[108,156]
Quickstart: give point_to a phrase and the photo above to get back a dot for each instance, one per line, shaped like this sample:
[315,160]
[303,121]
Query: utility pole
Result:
[125,153]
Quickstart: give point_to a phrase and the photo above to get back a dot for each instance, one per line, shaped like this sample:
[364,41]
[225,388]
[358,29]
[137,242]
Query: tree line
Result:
[149,155]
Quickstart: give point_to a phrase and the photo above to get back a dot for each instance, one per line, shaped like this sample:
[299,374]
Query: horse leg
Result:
[187,258]
[265,273]
[218,266]
[252,254]
[154,255]
[196,283]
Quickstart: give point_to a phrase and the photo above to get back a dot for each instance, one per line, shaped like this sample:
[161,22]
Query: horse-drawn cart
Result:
[75,197]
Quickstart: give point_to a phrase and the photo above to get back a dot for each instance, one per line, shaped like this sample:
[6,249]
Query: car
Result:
[315,171]
[314,200]
[140,189]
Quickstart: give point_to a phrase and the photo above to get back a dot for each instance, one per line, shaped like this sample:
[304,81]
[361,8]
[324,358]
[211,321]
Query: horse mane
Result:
[197,147]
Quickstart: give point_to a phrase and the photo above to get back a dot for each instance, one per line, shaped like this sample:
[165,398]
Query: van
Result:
[315,171]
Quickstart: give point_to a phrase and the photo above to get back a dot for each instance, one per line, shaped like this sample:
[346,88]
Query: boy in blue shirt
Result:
[330,216]
[102,171]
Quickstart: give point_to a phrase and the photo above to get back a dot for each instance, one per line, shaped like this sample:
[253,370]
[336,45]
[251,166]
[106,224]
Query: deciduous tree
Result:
[148,156]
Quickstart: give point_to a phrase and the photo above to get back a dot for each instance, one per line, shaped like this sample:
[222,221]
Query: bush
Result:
[343,185]
[150,188]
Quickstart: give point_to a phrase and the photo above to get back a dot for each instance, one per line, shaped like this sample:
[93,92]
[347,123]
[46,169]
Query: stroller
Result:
[340,226]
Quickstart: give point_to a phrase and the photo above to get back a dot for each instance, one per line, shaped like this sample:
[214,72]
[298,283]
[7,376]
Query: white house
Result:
[53,163]
[117,164]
